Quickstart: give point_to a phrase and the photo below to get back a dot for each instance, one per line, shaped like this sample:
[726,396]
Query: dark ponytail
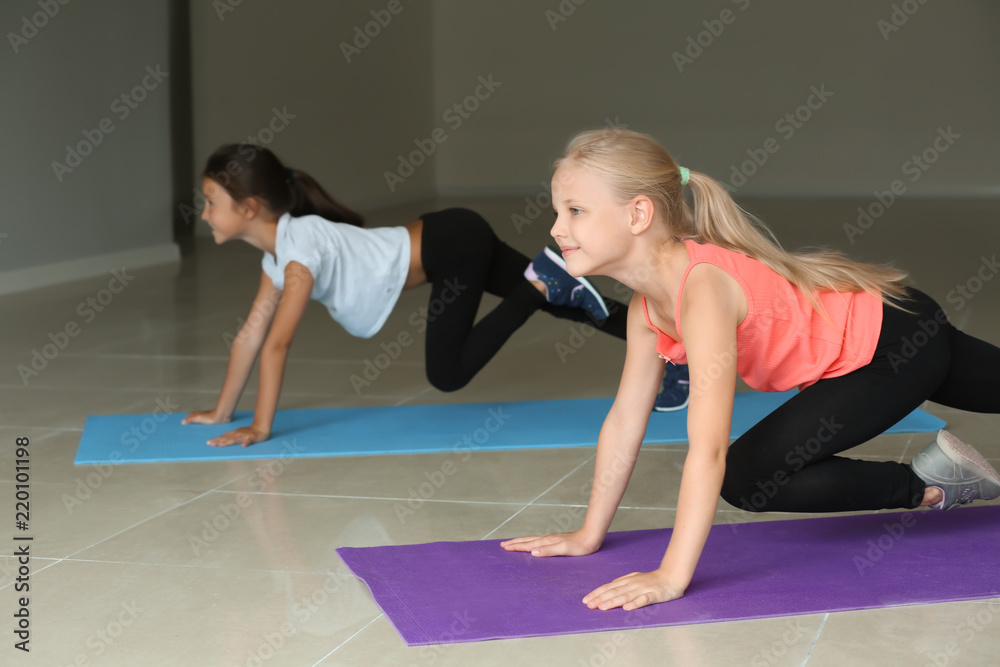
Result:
[246,170]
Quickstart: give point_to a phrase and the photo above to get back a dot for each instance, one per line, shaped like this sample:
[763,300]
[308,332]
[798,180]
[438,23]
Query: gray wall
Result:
[352,118]
[615,60]
[64,81]
[607,61]
[563,66]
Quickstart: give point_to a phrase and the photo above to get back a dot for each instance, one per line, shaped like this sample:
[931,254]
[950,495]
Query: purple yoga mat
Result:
[446,592]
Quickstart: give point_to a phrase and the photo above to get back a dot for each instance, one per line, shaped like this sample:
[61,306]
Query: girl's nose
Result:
[558,228]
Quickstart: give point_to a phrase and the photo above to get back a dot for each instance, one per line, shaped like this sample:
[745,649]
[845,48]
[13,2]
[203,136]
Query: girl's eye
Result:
[572,211]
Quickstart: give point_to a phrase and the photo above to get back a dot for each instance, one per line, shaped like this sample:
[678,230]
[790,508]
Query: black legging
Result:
[786,462]
[463,258]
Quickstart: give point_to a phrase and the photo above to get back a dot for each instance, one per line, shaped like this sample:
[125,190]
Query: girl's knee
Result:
[446,380]
[749,492]
[737,491]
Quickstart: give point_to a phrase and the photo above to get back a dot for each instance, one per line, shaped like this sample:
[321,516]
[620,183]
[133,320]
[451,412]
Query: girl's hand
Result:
[634,590]
[558,544]
[205,417]
[241,436]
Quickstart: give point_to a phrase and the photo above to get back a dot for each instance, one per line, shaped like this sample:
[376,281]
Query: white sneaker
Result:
[958,470]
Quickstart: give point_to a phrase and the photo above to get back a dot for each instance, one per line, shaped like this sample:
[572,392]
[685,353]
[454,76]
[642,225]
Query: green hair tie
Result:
[685,175]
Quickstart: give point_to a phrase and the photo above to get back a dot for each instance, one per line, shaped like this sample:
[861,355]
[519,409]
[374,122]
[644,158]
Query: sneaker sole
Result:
[965,455]
[675,408]
[557,258]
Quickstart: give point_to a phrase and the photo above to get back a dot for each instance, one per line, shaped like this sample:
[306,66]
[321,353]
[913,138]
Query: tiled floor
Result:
[126,570]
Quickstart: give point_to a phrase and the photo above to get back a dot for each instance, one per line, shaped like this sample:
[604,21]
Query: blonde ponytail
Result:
[635,164]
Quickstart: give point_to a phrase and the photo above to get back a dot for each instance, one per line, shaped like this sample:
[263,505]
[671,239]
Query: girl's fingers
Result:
[558,544]
[550,548]
[538,546]
[223,440]
[637,602]
[602,594]
[633,591]
[525,543]
[517,542]
[237,437]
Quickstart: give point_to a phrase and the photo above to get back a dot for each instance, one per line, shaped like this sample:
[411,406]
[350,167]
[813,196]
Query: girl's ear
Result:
[642,211]
[249,208]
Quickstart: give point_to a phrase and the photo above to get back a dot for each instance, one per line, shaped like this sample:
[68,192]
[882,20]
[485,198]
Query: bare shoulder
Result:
[638,329]
[711,287]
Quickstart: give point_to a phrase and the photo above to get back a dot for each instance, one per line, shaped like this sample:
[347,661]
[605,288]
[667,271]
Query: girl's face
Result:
[222,214]
[590,227]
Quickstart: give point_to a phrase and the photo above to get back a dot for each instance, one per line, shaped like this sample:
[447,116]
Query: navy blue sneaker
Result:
[563,289]
[674,392]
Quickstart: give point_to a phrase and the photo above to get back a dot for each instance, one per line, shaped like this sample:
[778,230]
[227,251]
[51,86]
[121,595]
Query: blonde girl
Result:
[715,290]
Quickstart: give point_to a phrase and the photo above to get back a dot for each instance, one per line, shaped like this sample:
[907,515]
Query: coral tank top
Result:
[783,342]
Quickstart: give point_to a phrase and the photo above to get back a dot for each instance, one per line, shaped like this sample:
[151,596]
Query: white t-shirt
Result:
[358,273]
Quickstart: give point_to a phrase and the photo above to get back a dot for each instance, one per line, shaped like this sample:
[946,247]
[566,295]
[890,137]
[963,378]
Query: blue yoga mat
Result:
[405,429]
